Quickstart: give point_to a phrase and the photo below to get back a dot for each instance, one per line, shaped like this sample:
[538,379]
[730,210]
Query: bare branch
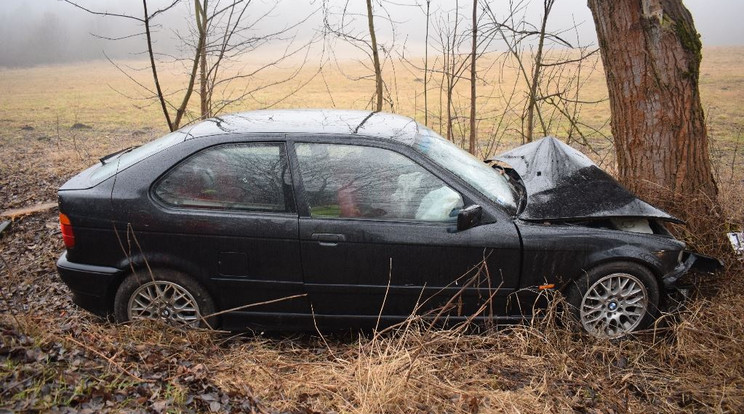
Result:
[105,13]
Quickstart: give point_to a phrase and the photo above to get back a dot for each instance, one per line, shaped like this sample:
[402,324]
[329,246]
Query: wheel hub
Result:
[614,305]
[164,300]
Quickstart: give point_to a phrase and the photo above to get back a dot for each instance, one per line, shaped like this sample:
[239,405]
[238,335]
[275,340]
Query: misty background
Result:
[38,32]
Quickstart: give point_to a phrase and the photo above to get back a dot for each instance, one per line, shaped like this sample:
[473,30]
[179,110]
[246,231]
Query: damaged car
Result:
[297,219]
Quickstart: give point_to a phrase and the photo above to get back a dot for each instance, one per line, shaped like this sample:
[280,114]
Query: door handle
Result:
[328,239]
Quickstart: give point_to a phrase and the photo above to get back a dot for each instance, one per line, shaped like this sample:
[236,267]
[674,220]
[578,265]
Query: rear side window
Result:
[135,155]
[249,177]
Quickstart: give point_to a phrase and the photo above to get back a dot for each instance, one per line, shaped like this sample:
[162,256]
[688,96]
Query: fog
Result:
[37,32]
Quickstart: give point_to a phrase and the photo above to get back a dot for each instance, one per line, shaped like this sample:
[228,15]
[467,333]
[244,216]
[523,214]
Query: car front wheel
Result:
[165,295]
[614,299]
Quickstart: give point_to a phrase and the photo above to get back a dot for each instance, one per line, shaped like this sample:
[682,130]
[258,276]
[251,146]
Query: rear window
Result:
[135,155]
[246,176]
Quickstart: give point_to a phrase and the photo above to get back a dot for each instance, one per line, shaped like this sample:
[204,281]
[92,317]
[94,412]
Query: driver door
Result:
[377,238]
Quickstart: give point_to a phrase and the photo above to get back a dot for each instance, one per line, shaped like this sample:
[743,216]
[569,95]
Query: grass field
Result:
[55,356]
[96,93]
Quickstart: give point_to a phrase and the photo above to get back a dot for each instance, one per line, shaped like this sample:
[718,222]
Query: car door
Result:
[226,215]
[377,237]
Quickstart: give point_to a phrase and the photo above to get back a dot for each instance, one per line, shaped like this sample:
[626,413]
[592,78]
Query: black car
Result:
[292,219]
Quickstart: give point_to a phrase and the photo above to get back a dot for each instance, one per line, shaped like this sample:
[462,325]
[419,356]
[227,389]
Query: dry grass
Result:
[55,355]
[693,366]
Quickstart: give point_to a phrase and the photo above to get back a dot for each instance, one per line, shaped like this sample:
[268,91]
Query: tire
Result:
[166,295]
[614,299]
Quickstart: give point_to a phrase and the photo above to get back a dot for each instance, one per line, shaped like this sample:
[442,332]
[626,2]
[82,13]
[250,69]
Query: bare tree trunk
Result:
[473,72]
[450,82]
[441,92]
[426,65]
[154,68]
[534,90]
[375,56]
[201,24]
[201,16]
[652,52]
[451,72]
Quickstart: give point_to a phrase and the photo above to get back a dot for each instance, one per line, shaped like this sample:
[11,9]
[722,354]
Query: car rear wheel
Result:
[614,299]
[165,295]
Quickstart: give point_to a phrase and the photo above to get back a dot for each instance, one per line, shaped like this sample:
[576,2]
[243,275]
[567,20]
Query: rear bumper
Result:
[91,286]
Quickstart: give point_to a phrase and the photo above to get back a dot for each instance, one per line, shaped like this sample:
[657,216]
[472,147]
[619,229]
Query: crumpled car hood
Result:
[563,184]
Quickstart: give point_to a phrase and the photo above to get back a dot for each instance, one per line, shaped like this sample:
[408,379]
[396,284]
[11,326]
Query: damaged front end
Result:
[694,262]
[558,184]
[561,183]
[678,283]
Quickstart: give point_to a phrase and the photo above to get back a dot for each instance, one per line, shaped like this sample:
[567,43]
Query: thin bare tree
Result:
[426,64]
[145,20]
[450,41]
[340,23]
[553,76]
[473,71]
[225,32]
[375,55]
[221,35]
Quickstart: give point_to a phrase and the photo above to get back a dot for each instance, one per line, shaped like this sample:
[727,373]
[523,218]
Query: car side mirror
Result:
[469,217]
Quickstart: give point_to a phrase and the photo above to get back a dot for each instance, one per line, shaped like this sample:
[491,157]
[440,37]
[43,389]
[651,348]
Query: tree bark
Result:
[375,56]
[651,54]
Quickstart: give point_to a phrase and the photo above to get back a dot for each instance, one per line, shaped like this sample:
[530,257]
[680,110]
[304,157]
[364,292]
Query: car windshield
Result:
[485,179]
[132,156]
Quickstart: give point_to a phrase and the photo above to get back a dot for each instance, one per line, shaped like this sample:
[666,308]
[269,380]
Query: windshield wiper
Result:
[113,154]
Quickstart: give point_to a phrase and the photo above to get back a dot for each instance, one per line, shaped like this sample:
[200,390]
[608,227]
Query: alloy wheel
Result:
[614,305]
[165,301]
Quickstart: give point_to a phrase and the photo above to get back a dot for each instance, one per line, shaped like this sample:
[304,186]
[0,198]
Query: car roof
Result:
[311,121]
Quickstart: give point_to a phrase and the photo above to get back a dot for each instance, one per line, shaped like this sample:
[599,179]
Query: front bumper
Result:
[677,287]
[92,286]
[694,262]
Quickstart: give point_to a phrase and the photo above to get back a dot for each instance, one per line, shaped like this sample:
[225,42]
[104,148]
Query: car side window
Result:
[359,181]
[246,176]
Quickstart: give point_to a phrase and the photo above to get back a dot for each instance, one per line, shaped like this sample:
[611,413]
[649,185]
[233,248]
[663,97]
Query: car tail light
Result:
[67,234]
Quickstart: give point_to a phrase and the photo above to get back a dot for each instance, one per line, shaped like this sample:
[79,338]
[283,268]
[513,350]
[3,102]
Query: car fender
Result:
[628,253]
[143,263]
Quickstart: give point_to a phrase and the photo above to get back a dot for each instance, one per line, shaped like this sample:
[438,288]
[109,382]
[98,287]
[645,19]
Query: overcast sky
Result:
[48,31]
[717,21]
